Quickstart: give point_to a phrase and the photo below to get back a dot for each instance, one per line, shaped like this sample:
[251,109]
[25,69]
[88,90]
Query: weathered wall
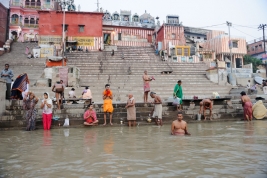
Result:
[2,97]
[3,24]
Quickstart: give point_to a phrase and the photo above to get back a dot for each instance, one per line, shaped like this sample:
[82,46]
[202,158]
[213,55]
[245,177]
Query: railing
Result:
[31,25]
[32,7]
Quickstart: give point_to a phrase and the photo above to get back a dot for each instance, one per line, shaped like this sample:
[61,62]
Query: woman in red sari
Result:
[90,116]
[247,106]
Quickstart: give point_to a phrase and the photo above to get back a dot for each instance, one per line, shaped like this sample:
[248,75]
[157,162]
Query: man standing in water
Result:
[157,110]
[107,106]
[178,92]
[179,127]
[146,80]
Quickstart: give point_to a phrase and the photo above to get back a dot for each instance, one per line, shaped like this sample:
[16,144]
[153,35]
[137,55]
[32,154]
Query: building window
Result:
[81,28]
[26,22]
[16,2]
[173,36]
[260,46]
[186,52]
[14,19]
[119,36]
[205,38]
[256,48]
[179,51]
[198,37]
[235,44]
[47,2]
[252,48]
[66,27]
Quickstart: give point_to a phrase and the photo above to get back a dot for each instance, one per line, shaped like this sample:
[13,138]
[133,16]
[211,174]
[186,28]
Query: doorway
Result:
[238,63]
[107,38]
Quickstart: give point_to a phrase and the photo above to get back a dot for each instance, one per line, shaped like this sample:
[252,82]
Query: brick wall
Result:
[3,24]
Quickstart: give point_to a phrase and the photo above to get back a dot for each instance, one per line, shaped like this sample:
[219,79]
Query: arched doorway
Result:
[14,35]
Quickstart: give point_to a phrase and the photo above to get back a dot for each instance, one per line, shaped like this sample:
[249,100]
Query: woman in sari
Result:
[90,116]
[29,103]
[247,106]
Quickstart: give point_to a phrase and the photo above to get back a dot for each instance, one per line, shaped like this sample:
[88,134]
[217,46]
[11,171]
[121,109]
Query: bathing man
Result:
[206,104]
[157,110]
[179,127]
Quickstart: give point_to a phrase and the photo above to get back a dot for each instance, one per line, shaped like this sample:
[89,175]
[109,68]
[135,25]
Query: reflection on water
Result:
[230,149]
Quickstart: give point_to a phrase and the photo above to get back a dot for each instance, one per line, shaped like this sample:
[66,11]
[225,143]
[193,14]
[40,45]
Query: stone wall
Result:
[2,97]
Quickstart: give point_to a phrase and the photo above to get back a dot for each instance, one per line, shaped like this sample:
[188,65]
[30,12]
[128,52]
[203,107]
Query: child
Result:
[47,107]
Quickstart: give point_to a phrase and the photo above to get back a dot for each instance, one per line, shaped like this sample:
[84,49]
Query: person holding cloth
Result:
[7,75]
[178,92]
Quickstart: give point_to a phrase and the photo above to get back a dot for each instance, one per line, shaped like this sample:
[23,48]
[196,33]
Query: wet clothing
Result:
[92,118]
[247,106]
[147,87]
[131,111]
[178,92]
[107,106]
[30,114]
[157,111]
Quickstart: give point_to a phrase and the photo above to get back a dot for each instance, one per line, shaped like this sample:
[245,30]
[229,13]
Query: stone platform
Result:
[14,115]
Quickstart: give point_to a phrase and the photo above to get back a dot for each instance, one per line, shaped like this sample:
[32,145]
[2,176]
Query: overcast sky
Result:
[194,13]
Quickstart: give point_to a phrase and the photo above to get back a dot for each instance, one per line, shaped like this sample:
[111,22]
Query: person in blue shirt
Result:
[7,75]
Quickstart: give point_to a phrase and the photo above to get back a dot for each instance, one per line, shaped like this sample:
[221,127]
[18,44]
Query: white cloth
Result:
[248,85]
[26,91]
[265,90]
[72,94]
[47,110]
[157,111]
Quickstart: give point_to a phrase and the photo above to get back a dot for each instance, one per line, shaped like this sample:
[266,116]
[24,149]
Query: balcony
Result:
[31,26]
[32,7]
[15,24]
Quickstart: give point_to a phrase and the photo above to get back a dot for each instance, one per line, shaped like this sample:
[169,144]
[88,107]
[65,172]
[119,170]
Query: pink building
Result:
[24,18]
[218,41]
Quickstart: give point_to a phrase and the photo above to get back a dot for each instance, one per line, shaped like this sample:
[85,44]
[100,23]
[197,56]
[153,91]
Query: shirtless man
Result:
[206,104]
[179,127]
[157,110]
[146,80]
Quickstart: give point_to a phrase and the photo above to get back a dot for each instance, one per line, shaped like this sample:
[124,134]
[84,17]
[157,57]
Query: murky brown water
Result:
[231,149]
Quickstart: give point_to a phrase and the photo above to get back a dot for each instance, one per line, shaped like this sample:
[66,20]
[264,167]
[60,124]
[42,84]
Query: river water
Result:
[225,149]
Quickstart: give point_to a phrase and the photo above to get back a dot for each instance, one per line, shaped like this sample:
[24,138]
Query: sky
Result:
[245,15]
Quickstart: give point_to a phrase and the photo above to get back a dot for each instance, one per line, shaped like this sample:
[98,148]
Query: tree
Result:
[255,62]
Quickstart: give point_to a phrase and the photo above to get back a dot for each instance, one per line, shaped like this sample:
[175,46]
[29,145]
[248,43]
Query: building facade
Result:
[83,28]
[3,24]
[218,41]
[256,49]
[24,18]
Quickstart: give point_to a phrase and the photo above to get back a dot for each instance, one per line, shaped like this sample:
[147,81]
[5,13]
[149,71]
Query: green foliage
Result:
[255,62]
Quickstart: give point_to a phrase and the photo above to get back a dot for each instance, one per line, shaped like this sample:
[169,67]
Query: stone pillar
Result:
[222,57]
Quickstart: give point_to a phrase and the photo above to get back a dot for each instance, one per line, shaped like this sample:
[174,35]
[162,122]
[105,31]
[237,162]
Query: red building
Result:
[83,27]
[3,24]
